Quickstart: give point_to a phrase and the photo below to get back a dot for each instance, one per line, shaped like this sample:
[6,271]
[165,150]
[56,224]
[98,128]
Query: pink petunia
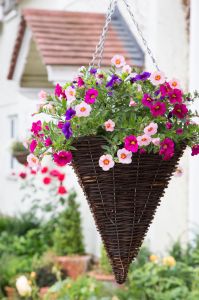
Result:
[118,61]
[109,125]
[106,162]
[195,150]
[165,89]
[157,78]
[158,109]
[180,111]
[70,93]
[127,69]
[151,129]
[36,127]
[33,162]
[48,142]
[179,131]
[131,143]
[132,103]
[124,156]
[83,109]
[156,141]
[144,140]
[147,100]
[174,84]
[42,96]
[62,158]
[91,96]
[33,146]
[169,125]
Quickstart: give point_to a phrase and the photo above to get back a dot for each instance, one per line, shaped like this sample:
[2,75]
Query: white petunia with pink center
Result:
[124,156]
[83,109]
[106,162]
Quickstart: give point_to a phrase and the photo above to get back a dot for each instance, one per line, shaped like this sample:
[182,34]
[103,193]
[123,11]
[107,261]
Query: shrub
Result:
[68,237]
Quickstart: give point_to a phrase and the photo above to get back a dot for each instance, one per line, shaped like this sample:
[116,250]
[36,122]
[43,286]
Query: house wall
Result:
[165,30]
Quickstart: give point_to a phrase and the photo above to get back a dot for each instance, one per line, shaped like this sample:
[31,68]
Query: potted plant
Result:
[20,152]
[68,240]
[124,132]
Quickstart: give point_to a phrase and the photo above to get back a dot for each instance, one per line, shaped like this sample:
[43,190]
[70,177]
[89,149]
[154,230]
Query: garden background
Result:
[29,63]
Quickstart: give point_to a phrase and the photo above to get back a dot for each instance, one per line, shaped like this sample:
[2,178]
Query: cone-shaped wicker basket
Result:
[122,200]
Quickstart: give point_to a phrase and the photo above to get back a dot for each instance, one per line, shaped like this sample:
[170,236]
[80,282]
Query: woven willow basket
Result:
[122,200]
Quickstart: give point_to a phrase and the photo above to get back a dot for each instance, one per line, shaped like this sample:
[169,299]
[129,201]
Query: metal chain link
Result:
[100,47]
[141,34]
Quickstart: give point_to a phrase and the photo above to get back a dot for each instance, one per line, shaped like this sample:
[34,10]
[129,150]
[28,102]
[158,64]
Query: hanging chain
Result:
[100,47]
[141,34]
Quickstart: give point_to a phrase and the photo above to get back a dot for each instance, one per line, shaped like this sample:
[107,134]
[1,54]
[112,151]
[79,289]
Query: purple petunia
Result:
[70,113]
[113,81]
[93,71]
[67,131]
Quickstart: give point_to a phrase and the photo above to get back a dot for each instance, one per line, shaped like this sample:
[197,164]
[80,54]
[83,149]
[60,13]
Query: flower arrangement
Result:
[135,112]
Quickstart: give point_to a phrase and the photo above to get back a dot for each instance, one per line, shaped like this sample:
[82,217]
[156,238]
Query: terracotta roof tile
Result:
[70,38]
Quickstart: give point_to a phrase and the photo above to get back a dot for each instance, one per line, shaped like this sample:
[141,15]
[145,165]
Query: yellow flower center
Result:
[144,139]
[83,109]
[71,93]
[165,147]
[179,110]
[132,143]
[123,156]
[150,129]
[34,160]
[157,107]
[157,77]
[106,162]
[174,84]
[118,61]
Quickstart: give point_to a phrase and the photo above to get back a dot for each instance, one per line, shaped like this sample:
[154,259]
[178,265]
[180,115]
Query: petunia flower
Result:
[36,127]
[93,71]
[67,131]
[62,190]
[124,156]
[80,82]
[151,129]
[109,125]
[131,143]
[83,109]
[106,162]
[42,96]
[70,113]
[174,84]
[158,109]
[70,93]
[157,78]
[144,140]
[169,125]
[156,141]
[132,103]
[167,148]
[59,91]
[33,146]
[165,89]
[142,76]
[179,131]
[175,96]
[33,162]
[195,150]
[91,96]
[62,158]
[147,100]
[127,69]
[47,180]
[118,61]
[60,124]
[48,142]
[180,111]
[113,81]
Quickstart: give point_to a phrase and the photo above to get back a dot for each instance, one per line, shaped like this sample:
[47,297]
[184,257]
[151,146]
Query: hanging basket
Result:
[123,200]
[21,157]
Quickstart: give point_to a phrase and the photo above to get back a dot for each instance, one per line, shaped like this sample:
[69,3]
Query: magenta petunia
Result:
[62,158]
[165,89]
[167,148]
[33,146]
[179,131]
[158,109]
[180,111]
[80,82]
[131,143]
[91,96]
[147,100]
[48,142]
[175,96]
[195,150]
[36,127]
[169,125]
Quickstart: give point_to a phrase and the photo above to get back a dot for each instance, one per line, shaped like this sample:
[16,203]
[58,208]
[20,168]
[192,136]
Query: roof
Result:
[70,38]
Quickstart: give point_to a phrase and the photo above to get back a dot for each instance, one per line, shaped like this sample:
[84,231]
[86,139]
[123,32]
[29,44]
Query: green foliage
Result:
[105,265]
[84,288]
[68,237]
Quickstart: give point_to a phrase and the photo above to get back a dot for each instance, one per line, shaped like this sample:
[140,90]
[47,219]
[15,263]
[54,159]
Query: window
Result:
[7,5]
[13,130]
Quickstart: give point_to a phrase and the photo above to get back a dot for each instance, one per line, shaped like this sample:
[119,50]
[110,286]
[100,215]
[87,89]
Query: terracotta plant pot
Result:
[10,292]
[21,157]
[43,292]
[74,265]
